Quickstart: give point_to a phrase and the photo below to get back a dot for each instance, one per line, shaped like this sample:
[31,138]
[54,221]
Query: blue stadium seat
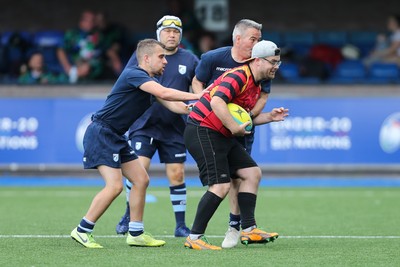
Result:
[349,71]
[290,72]
[364,40]
[48,38]
[383,73]
[300,42]
[6,36]
[15,46]
[47,42]
[332,38]
[273,36]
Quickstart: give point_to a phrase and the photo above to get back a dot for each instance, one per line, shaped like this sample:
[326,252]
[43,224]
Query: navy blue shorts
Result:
[103,146]
[168,152]
[218,157]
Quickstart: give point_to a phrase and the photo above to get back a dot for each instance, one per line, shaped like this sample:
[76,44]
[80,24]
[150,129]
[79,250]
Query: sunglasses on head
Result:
[169,22]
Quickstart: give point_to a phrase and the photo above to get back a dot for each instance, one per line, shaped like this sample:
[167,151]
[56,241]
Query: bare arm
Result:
[175,106]
[197,86]
[168,94]
[63,59]
[276,114]
[392,49]
[262,100]
[221,110]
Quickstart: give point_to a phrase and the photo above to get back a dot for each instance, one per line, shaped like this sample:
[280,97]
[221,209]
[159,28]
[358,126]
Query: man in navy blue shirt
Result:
[106,147]
[214,63]
[159,129]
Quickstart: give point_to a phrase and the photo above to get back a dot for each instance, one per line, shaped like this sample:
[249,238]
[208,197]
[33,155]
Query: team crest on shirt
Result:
[182,69]
[115,157]
[138,145]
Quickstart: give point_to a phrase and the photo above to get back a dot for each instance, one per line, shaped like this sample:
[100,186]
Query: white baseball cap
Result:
[265,49]
[168,21]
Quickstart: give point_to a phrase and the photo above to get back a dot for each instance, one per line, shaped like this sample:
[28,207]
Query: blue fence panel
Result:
[318,131]
[334,130]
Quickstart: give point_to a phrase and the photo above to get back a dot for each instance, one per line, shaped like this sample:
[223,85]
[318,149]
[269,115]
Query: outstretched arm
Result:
[169,94]
[175,106]
[276,114]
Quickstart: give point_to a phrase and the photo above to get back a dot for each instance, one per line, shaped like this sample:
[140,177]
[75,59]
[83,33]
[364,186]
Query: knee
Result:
[252,175]
[220,190]
[115,189]
[142,181]
[176,175]
[256,175]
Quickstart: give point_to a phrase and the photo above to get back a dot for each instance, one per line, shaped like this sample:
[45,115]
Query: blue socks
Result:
[234,221]
[85,226]
[178,200]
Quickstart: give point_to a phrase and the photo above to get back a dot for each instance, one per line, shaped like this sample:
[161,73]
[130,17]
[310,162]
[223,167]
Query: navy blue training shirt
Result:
[215,62]
[126,102]
[159,122]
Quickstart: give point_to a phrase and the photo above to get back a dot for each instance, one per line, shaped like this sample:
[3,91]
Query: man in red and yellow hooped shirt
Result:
[219,156]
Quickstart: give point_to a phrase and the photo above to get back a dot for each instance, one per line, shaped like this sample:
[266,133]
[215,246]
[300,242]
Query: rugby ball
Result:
[240,115]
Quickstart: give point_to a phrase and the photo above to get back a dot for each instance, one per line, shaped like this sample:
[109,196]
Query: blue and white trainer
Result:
[123,225]
[182,231]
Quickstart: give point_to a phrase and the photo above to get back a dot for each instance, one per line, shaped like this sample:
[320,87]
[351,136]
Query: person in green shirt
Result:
[35,72]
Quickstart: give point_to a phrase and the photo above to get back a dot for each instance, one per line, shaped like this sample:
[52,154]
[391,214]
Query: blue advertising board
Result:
[318,131]
[332,130]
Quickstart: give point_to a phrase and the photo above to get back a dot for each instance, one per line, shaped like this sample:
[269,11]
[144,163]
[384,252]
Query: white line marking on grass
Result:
[341,236]
[214,236]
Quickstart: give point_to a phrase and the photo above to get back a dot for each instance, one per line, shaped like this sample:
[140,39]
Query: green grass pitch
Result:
[317,227]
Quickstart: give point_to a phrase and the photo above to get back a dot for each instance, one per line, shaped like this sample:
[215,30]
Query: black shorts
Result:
[247,141]
[103,146]
[217,157]
[168,152]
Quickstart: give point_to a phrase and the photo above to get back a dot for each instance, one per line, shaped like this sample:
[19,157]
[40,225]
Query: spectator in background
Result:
[81,53]
[191,26]
[35,72]
[319,62]
[387,50]
[207,41]
[112,45]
